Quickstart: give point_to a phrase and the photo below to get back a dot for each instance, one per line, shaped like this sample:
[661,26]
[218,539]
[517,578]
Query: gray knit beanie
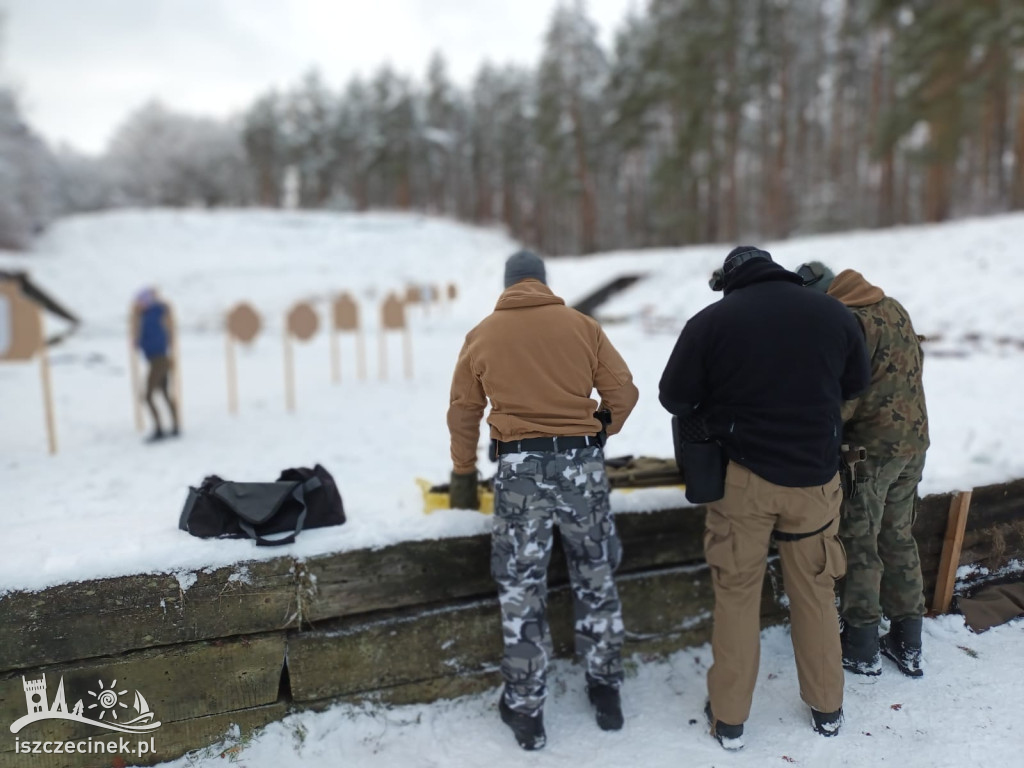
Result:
[522,265]
[816,275]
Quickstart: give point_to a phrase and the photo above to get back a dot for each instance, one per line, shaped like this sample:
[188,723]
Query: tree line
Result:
[706,121]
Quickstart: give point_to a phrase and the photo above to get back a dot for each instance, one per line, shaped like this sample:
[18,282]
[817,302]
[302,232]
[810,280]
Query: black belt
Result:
[780,536]
[557,443]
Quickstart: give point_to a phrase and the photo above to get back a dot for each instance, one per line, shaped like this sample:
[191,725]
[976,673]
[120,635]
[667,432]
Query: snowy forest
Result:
[707,121]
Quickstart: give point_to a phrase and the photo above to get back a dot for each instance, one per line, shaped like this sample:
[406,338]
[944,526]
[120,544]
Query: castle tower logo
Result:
[103,707]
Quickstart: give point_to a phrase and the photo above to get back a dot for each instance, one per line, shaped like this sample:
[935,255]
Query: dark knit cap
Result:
[523,265]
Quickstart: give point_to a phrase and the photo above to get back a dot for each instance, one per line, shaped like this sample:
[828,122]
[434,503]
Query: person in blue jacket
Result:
[153,338]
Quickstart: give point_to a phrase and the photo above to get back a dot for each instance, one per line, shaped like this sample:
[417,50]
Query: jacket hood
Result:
[853,290]
[527,293]
[759,271]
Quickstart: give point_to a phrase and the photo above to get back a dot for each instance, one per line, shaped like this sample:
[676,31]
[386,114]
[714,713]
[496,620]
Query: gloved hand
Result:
[463,492]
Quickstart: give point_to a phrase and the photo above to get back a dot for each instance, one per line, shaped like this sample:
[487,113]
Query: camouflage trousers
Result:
[883,574]
[534,492]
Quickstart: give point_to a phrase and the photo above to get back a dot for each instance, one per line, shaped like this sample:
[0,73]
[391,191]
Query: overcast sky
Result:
[80,66]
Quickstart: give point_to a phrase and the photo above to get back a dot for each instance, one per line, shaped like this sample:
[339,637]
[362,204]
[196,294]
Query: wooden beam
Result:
[950,561]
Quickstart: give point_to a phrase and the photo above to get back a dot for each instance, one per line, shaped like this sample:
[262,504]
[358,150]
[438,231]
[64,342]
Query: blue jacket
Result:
[153,337]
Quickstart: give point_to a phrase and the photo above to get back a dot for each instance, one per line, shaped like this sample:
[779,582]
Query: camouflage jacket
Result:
[890,417]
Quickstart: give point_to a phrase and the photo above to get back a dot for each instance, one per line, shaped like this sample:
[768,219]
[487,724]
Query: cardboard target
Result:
[243,323]
[393,314]
[346,313]
[412,294]
[453,291]
[303,322]
[21,325]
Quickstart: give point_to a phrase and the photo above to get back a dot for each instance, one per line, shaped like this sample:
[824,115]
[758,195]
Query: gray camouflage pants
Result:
[534,492]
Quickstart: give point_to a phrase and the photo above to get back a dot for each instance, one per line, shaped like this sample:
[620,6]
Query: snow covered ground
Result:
[964,713]
[108,505]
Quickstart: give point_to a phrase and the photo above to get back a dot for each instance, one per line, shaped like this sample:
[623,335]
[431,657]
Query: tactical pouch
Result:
[704,466]
[701,460]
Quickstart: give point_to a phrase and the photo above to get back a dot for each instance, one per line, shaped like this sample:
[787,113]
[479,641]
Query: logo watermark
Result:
[90,746]
[105,706]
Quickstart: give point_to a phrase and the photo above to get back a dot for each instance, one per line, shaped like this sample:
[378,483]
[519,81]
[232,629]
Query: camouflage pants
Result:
[534,492]
[883,574]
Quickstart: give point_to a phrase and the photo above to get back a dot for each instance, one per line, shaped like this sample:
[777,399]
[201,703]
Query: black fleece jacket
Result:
[768,367]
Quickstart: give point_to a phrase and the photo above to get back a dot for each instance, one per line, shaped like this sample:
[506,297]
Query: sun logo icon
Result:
[107,698]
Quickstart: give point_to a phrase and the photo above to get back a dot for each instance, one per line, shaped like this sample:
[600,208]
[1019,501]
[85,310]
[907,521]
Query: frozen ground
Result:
[108,505]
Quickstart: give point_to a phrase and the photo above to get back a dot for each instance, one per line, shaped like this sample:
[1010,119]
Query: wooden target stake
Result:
[393,319]
[345,317]
[242,323]
[302,323]
[229,358]
[289,373]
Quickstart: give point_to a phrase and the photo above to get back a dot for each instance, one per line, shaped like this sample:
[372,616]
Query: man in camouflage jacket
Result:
[891,421]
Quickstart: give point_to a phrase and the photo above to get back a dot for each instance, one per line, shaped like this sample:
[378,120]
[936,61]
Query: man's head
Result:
[816,275]
[737,257]
[145,298]
[523,265]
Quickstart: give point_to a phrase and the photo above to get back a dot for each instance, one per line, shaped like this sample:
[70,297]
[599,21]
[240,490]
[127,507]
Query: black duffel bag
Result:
[272,514]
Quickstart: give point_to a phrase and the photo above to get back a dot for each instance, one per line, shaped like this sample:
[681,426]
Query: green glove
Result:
[463,492]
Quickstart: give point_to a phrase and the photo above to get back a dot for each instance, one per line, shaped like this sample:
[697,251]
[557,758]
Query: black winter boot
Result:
[860,649]
[608,704]
[528,729]
[827,723]
[903,645]
[729,736]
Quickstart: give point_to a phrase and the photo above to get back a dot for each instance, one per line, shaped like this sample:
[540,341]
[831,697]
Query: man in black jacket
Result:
[767,369]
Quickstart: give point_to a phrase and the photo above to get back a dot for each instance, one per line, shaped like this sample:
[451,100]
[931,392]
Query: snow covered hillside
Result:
[108,505]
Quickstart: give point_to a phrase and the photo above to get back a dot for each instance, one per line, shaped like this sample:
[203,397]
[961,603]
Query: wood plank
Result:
[108,616]
[946,577]
[172,740]
[996,505]
[178,682]
[362,654]
[406,574]
[994,546]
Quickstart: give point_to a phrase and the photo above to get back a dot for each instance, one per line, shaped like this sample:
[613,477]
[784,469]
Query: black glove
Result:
[463,493]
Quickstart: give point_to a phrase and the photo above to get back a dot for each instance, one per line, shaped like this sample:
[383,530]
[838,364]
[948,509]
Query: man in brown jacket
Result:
[538,361]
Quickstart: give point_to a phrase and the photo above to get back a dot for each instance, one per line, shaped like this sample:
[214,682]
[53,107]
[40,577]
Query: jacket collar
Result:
[527,293]
[759,271]
[850,287]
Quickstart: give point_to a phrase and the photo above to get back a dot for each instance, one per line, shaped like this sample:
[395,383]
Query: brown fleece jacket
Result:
[850,287]
[537,361]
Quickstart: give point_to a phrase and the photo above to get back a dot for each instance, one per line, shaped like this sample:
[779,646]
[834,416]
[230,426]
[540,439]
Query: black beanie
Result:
[523,265]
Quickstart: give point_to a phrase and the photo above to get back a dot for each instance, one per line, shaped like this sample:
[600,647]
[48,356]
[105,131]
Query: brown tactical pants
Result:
[739,530]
